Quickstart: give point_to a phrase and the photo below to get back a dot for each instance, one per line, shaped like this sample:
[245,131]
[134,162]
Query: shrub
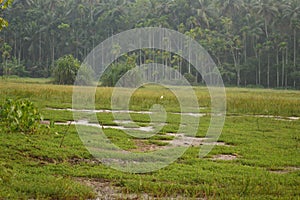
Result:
[65,70]
[113,73]
[19,116]
[13,67]
[190,78]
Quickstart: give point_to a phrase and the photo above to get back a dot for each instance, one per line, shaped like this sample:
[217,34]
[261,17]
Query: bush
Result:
[13,67]
[190,78]
[113,74]
[19,116]
[65,70]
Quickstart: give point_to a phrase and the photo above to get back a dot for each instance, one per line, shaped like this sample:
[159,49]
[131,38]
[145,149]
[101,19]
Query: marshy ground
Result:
[256,157]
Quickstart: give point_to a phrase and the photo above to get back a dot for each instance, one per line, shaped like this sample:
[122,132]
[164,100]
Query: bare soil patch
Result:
[106,191]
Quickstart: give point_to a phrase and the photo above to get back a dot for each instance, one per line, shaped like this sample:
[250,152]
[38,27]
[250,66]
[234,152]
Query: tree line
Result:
[253,42]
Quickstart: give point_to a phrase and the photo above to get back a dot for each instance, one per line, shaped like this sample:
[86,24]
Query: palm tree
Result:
[231,8]
[291,12]
[267,47]
[267,10]
[6,54]
[258,53]
[205,12]
[283,47]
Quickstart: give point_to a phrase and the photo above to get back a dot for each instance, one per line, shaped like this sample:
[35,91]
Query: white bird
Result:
[161,97]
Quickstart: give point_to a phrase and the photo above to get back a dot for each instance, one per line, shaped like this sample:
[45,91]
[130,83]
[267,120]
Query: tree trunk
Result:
[20,52]
[40,48]
[237,69]
[259,70]
[189,62]
[287,64]
[256,70]
[295,53]
[268,71]
[53,50]
[15,46]
[283,69]
[277,68]
[266,28]
[245,49]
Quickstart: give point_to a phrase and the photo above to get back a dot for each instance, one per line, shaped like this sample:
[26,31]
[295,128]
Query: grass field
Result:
[259,161]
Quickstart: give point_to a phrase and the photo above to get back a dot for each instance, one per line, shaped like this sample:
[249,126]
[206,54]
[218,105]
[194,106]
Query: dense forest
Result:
[253,42]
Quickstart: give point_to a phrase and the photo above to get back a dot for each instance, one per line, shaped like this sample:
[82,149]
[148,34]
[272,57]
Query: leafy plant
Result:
[13,67]
[19,116]
[190,78]
[65,70]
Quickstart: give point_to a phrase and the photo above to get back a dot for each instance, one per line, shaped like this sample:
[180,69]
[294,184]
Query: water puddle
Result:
[86,123]
[277,117]
[122,121]
[178,141]
[183,140]
[191,114]
[123,111]
[100,111]
[224,157]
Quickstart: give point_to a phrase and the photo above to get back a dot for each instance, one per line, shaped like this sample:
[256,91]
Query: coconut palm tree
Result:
[267,10]
[291,12]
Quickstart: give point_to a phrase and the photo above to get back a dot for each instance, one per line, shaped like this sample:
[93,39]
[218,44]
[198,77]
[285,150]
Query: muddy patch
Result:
[145,146]
[44,160]
[179,140]
[225,157]
[285,170]
[104,189]
[76,161]
[183,140]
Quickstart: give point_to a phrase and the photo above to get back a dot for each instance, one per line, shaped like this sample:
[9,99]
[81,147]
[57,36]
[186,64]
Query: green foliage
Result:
[246,39]
[85,76]
[190,78]
[19,116]
[4,5]
[112,75]
[65,70]
[13,67]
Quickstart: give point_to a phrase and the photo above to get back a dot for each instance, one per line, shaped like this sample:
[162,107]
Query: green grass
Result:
[34,166]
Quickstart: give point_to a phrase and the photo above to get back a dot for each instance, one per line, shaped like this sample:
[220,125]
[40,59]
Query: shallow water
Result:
[124,111]
[86,123]
[183,140]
